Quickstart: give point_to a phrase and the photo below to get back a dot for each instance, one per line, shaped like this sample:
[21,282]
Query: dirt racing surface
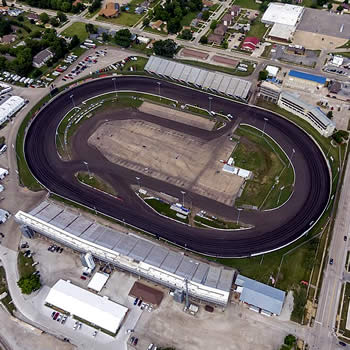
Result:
[170,155]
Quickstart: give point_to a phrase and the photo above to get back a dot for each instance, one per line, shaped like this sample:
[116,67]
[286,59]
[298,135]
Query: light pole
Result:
[265,120]
[58,135]
[88,170]
[239,213]
[72,98]
[138,181]
[279,196]
[291,157]
[159,84]
[210,98]
[183,198]
[336,174]
[115,86]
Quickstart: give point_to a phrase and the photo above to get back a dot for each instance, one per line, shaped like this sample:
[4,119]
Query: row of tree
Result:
[60,5]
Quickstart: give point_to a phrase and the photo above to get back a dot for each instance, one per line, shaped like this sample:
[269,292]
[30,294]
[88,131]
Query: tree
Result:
[340,8]
[29,284]
[54,21]
[90,28]
[263,74]
[166,48]
[66,6]
[123,37]
[36,73]
[174,25]
[290,340]
[186,34]
[330,6]
[5,27]
[146,22]
[95,6]
[4,3]
[44,17]
[203,40]
[330,114]
[61,16]
[105,36]
[74,42]
[213,24]
[205,15]
[224,45]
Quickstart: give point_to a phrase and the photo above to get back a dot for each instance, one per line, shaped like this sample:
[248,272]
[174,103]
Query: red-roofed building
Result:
[250,43]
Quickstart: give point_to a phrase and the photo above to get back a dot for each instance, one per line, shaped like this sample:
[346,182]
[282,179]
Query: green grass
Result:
[345,46]
[186,20]
[155,31]
[267,161]
[227,70]
[25,268]
[164,209]
[95,182]
[217,223]
[344,313]
[257,29]
[345,54]
[249,4]
[125,18]
[10,306]
[77,28]
[138,66]
[3,284]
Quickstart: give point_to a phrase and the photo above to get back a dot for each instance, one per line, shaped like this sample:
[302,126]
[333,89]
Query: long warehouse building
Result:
[130,252]
[10,106]
[201,78]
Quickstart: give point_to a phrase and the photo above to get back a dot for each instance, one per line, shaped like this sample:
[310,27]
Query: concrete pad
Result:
[178,116]
[170,155]
[314,40]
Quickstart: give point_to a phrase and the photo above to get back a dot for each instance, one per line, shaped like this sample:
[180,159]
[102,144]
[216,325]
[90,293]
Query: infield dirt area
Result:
[171,156]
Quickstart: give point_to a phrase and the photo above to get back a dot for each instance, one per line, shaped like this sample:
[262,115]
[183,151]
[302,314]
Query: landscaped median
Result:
[94,181]
[201,220]
[5,299]
[28,281]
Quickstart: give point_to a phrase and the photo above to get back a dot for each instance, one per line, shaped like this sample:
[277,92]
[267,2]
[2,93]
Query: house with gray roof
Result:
[259,296]
[41,58]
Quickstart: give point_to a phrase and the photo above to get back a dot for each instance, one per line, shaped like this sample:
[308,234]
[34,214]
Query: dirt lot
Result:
[314,41]
[171,156]
[178,116]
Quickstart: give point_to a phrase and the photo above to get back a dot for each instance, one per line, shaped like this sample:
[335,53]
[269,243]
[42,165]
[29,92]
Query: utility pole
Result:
[88,170]
[265,120]
[291,157]
[138,181]
[159,84]
[72,98]
[239,213]
[183,198]
[210,98]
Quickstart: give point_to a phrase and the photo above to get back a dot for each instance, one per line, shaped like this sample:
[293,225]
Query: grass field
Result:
[186,20]
[257,29]
[7,301]
[266,160]
[249,4]
[25,267]
[95,182]
[344,313]
[77,28]
[345,46]
[345,54]
[217,223]
[164,209]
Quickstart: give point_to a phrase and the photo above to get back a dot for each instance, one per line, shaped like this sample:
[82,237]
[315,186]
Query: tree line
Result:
[60,5]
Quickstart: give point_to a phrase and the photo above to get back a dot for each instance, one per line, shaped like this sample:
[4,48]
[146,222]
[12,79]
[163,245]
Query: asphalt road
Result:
[272,229]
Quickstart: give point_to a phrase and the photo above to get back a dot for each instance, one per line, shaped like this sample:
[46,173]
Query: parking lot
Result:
[342,69]
[280,52]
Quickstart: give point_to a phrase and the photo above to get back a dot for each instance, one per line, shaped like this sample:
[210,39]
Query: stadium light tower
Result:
[265,120]
[138,181]
[159,84]
[115,86]
[291,157]
[210,98]
[72,98]
[239,213]
[183,198]
[88,170]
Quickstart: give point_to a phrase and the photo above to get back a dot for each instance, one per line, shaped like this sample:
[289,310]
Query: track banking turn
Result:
[272,229]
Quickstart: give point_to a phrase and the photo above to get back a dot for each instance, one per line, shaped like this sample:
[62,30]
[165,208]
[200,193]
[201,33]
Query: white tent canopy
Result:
[98,281]
[86,305]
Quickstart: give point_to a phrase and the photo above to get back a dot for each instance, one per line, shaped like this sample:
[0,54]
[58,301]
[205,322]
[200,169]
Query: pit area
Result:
[170,155]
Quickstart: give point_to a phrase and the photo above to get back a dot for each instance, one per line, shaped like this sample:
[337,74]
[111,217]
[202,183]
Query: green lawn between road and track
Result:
[95,182]
[267,161]
[344,308]
[216,223]
[7,301]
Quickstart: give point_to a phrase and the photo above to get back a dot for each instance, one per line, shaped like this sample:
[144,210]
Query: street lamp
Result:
[88,170]
[279,196]
[239,213]
[291,157]
[210,98]
[72,98]
[159,84]
[115,86]
[138,181]
[265,120]
[183,198]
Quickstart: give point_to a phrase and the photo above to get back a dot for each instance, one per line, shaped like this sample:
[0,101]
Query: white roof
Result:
[272,70]
[282,13]
[86,305]
[338,60]
[3,171]
[98,281]
[282,31]
[11,104]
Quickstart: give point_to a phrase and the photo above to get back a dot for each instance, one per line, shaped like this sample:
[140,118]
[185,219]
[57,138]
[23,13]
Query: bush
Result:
[29,284]
[263,75]
[290,340]
[186,34]
[340,136]
[203,40]
[300,299]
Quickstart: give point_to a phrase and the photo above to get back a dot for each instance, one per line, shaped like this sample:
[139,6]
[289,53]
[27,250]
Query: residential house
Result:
[41,58]
[76,2]
[235,10]
[220,29]
[14,29]
[14,12]
[8,39]
[207,3]
[157,25]
[194,22]
[4,9]
[140,10]
[227,20]
[215,39]
[250,43]
[111,10]
[346,7]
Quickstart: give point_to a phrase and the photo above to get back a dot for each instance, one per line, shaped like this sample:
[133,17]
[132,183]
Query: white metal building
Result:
[98,280]
[9,107]
[86,305]
[129,252]
[4,88]
[313,115]
[283,18]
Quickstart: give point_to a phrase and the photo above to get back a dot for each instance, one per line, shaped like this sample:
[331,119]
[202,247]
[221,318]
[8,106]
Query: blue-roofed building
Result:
[318,79]
[259,296]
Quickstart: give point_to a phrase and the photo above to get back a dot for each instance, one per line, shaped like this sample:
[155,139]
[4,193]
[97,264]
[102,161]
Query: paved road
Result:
[272,229]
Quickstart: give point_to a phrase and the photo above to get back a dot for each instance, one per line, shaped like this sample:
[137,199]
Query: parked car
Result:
[331,261]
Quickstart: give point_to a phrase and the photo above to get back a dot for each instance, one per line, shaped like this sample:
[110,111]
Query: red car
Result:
[83,278]
[56,315]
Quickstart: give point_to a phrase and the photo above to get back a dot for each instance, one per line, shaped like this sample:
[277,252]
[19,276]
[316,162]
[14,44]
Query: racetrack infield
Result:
[272,230]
